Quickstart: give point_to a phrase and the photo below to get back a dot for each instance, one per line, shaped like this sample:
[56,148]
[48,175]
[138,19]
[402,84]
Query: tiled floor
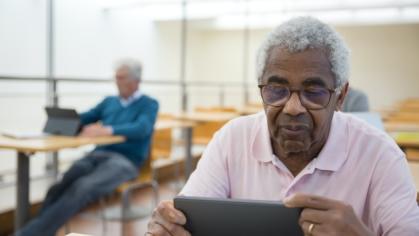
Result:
[89,221]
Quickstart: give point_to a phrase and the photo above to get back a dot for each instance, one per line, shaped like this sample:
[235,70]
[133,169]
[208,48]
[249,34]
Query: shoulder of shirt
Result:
[111,98]
[146,98]
[358,128]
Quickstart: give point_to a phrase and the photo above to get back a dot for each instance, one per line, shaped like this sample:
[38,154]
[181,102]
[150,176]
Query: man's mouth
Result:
[294,130]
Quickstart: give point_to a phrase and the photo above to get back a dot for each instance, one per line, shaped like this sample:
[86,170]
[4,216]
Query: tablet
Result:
[227,217]
[62,121]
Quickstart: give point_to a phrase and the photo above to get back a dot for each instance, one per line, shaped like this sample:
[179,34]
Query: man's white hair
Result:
[301,33]
[133,66]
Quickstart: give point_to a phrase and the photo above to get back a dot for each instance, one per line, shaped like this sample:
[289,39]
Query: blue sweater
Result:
[135,122]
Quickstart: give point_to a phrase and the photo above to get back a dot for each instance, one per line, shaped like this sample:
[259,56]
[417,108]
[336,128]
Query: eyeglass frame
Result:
[298,91]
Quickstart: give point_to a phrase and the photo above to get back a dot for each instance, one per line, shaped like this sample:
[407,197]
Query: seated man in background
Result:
[355,101]
[132,115]
[348,178]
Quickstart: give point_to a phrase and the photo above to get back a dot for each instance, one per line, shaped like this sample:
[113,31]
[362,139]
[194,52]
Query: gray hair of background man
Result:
[301,33]
[133,66]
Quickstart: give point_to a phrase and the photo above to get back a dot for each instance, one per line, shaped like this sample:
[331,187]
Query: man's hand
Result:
[167,221]
[322,216]
[96,130]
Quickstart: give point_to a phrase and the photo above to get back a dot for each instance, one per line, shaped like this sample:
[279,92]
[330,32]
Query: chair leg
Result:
[125,205]
[102,206]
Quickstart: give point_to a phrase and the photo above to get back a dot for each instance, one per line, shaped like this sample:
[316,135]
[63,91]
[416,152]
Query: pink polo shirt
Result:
[359,165]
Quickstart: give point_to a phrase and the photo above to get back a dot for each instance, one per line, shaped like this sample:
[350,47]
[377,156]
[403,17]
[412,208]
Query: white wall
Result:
[88,40]
[384,59]
[22,37]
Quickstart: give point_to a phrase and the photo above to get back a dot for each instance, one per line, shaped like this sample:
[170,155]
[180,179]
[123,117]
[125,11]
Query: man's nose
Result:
[293,106]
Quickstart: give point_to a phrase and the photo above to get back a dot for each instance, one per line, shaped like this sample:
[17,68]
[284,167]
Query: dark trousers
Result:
[93,176]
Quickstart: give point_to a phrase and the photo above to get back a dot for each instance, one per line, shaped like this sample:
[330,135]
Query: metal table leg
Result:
[22,193]
[188,151]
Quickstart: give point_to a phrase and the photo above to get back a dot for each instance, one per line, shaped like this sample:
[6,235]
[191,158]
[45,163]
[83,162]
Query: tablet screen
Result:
[227,217]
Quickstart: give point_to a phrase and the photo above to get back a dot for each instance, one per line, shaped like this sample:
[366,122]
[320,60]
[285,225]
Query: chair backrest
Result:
[204,131]
[162,140]
[162,144]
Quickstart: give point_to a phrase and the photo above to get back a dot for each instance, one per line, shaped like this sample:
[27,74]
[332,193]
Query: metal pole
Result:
[188,149]
[52,99]
[52,95]
[22,191]
[246,36]
[183,51]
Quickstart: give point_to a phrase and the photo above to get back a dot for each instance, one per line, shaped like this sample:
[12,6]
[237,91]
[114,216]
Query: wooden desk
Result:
[207,116]
[250,110]
[26,147]
[406,139]
[172,124]
[401,126]
[187,126]
[207,123]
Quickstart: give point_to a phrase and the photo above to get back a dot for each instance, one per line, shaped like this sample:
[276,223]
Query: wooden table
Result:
[27,147]
[187,126]
[249,110]
[401,126]
[406,139]
[200,117]
[207,116]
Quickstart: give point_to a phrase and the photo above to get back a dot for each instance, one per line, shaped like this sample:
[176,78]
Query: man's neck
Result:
[134,96]
[295,163]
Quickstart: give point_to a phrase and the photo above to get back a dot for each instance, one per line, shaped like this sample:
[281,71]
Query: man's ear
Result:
[341,97]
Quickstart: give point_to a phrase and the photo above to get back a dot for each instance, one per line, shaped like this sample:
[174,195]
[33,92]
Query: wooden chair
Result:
[412,154]
[144,180]
[161,148]
[203,132]
[162,144]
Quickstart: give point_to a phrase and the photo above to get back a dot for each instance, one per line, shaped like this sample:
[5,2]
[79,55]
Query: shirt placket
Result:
[290,181]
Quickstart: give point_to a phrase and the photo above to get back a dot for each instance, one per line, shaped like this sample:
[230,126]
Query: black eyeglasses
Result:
[311,97]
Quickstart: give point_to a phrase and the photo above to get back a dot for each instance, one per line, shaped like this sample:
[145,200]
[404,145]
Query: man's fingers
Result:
[173,228]
[165,220]
[310,228]
[310,201]
[313,215]
[168,212]
[157,229]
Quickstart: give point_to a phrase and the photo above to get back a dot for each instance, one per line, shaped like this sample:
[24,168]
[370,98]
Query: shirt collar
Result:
[332,156]
[335,151]
[135,96]
[261,142]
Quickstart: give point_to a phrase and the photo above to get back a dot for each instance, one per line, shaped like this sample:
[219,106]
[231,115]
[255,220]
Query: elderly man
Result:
[349,178]
[132,115]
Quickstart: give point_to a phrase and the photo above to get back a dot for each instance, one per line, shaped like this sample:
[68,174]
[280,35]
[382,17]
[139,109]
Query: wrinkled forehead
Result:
[307,63]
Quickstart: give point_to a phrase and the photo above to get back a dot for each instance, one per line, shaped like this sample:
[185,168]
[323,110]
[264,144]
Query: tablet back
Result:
[226,217]
[62,121]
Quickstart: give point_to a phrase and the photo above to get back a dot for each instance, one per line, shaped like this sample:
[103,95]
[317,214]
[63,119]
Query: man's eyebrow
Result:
[277,80]
[314,81]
